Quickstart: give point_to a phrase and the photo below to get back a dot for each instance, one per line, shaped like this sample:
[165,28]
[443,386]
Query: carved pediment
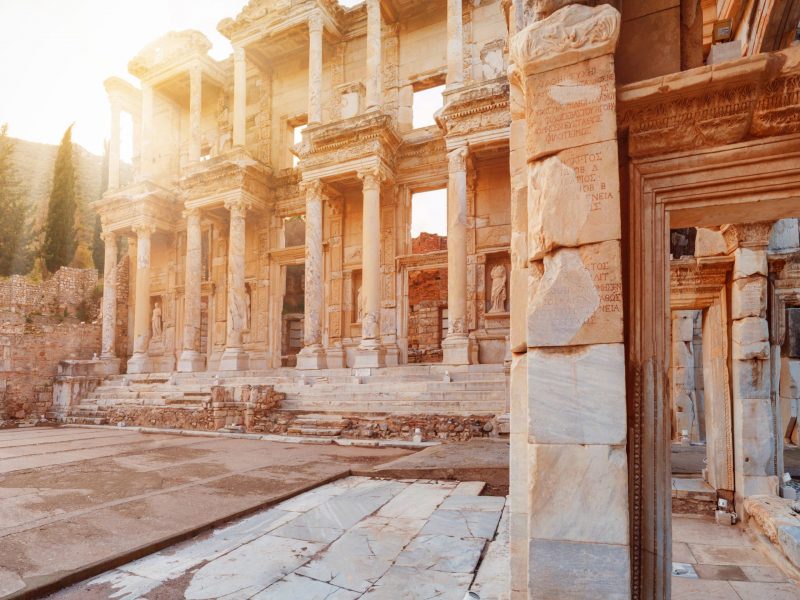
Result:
[268,13]
[172,48]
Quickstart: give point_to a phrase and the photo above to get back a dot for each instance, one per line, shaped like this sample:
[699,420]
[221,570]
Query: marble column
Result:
[192,358]
[315,68]
[569,406]
[312,356]
[239,96]
[195,111]
[109,296]
[370,352]
[374,55]
[235,358]
[455,44]
[140,361]
[147,142]
[113,148]
[456,347]
[753,419]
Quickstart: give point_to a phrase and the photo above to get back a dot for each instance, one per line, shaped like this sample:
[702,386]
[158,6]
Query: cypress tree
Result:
[15,257]
[59,235]
[98,246]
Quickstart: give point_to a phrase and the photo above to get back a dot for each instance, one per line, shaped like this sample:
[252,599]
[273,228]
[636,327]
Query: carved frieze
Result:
[481,107]
[236,171]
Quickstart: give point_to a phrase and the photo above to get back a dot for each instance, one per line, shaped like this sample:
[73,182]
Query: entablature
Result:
[477,114]
[142,204]
[696,283]
[231,176]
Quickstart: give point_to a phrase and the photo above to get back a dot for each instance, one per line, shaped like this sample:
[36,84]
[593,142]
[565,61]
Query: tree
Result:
[59,235]
[15,256]
[98,246]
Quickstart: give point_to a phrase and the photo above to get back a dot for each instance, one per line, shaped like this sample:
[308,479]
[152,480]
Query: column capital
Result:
[313,188]
[191,213]
[457,159]
[372,178]
[239,53]
[108,237]
[315,22]
[236,204]
[144,231]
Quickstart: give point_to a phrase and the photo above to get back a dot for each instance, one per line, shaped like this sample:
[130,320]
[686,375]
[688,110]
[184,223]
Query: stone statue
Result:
[360,305]
[498,289]
[158,325]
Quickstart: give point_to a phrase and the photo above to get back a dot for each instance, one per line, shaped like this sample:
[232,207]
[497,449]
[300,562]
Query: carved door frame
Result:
[699,188]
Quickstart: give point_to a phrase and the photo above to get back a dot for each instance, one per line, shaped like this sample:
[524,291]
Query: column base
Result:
[110,365]
[312,358]
[234,359]
[392,353]
[337,358]
[140,363]
[191,361]
[369,356]
[457,351]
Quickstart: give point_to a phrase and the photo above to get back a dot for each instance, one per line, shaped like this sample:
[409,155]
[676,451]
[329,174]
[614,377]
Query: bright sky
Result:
[429,212]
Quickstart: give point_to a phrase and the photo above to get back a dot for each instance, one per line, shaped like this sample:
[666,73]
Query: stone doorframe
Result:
[702,284]
[737,183]
[405,265]
[279,260]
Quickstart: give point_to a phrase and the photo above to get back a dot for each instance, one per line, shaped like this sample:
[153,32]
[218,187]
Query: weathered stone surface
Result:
[785,235]
[577,395]
[749,262]
[749,297]
[573,199]
[579,298]
[753,436]
[750,339]
[709,242]
[790,377]
[750,378]
[561,514]
[682,325]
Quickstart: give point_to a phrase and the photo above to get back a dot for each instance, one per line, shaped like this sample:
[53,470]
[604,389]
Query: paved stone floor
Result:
[722,563]
[358,537]
[72,497]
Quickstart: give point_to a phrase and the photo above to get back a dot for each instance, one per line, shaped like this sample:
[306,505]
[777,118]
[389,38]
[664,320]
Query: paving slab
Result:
[69,511]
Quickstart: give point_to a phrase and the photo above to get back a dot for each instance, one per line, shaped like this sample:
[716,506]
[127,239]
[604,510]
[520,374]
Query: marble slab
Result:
[462,523]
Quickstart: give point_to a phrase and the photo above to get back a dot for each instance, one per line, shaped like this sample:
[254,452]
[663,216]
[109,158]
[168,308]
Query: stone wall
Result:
[427,298]
[69,290]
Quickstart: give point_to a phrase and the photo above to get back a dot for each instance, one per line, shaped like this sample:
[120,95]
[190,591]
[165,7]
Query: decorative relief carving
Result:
[457,159]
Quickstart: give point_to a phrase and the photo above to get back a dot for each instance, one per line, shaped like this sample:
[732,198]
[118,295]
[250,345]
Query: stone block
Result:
[749,297]
[785,235]
[570,570]
[754,437]
[789,541]
[749,262]
[519,289]
[793,332]
[573,199]
[790,377]
[750,378]
[682,325]
[724,51]
[558,513]
[519,394]
[577,395]
[578,300]
[572,106]
[750,339]
[709,242]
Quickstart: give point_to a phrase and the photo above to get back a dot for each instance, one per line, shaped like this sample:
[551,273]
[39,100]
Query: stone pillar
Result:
[147,146]
[455,44]
[113,148]
[140,361]
[370,353]
[192,358]
[315,68]
[235,358]
[574,427]
[239,96]
[195,111]
[109,296]
[456,347]
[753,419]
[374,55]
[312,356]
[685,411]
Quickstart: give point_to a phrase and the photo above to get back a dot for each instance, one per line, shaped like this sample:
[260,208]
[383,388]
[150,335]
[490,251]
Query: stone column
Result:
[113,148]
[374,55]
[192,359]
[146,142]
[239,96]
[140,361]
[572,379]
[370,353]
[315,68]
[685,410]
[235,358]
[456,347]
[455,44]
[195,111]
[109,296]
[312,356]
[753,419]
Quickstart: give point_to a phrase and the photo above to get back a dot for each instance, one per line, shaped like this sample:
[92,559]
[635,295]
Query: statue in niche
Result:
[498,289]
[157,322]
[360,305]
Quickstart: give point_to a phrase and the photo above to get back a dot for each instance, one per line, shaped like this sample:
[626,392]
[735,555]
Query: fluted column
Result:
[195,111]
[374,54]
[370,353]
[146,142]
[235,358]
[192,359]
[315,68]
[456,346]
[109,296]
[239,96]
[140,361]
[455,44]
[113,148]
[312,356]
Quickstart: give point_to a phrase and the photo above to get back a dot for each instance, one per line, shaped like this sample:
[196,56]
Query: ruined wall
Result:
[427,298]
[70,290]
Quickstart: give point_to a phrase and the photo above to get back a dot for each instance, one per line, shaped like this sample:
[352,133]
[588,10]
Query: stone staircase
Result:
[318,402]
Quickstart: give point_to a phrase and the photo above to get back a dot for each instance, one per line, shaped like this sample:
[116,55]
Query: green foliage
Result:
[15,235]
[59,236]
[82,258]
[82,312]
[98,247]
